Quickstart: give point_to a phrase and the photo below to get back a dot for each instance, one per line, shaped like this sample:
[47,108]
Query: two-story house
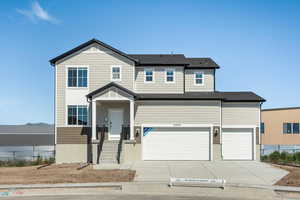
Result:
[111,106]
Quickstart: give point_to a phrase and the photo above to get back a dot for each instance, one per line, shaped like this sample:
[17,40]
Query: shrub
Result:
[283,156]
[38,161]
[274,157]
[297,157]
[264,158]
[290,158]
[20,163]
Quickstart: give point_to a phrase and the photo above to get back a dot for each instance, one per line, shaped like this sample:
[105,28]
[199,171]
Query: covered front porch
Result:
[112,121]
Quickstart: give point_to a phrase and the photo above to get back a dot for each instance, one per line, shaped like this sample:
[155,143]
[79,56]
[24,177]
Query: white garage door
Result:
[176,143]
[237,144]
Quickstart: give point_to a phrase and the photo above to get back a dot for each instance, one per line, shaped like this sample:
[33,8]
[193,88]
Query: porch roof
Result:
[109,85]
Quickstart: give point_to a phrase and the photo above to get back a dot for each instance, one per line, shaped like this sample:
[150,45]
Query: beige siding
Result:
[208,80]
[159,85]
[60,96]
[113,93]
[99,64]
[240,114]
[177,112]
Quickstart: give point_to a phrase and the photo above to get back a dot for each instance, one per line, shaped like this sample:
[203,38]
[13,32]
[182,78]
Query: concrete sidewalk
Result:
[234,172]
[145,188]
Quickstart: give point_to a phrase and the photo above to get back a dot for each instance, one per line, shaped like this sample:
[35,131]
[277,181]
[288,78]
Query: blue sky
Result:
[256,43]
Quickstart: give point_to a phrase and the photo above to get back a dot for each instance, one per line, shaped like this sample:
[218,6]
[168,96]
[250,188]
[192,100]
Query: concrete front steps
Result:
[109,152]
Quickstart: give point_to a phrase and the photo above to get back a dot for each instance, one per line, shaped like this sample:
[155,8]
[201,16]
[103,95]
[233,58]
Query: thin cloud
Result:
[38,13]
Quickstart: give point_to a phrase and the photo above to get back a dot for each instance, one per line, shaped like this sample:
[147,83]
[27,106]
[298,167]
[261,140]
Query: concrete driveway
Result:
[234,172]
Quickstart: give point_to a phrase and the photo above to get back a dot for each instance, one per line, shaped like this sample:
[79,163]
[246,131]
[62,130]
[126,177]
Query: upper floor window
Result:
[149,76]
[77,115]
[287,128]
[262,128]
[116,73]
[199,78]
[170,76]
[296,128]
[77,76]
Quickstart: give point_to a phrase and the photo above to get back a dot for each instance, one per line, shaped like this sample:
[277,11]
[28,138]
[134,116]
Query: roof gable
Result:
[92,41]
[108,86]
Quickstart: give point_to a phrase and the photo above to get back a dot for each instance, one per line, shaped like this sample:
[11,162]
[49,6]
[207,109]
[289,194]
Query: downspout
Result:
[90,148]
[184,79]
[214,79]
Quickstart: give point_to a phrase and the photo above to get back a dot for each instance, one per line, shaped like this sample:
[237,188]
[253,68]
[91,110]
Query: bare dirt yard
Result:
[62,173]
[292,179]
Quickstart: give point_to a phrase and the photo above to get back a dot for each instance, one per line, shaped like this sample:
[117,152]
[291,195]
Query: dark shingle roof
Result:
[201,63]
[160,59]
[92,41]
[109,85]
[27,129]
[147,59]
[224,96]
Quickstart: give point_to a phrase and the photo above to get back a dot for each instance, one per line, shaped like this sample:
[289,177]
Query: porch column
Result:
[94,120]
[131,119]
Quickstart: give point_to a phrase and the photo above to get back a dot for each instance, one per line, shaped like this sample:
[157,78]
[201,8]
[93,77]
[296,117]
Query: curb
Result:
[63,185]
[270,187]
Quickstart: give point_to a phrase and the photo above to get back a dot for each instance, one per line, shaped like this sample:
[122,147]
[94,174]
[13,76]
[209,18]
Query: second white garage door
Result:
[165,143]
[237,144]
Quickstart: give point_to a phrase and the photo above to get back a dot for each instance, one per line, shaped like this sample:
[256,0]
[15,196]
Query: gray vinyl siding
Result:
[240,114]
[208,80]
[99,66]
[177,112]
[159,85]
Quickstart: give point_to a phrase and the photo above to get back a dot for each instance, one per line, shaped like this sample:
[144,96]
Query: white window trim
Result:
[77,66]
[174,74]
[73,125]
[195,78]
[111,72]
[153,75]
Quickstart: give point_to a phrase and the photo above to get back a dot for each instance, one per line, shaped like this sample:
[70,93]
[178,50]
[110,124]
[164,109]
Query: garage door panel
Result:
[237,145]
[176,144]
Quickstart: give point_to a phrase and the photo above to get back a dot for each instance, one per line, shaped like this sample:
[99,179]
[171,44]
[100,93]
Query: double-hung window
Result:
[77,115]
[170,76]
[116,73]
[199,78]
[77,77]
[149,76]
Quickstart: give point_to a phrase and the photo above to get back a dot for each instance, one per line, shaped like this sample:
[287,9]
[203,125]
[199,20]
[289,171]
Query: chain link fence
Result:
[29,153]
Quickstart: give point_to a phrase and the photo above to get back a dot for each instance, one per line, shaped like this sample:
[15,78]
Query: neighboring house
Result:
[111,106]
[280,129]
[26,141]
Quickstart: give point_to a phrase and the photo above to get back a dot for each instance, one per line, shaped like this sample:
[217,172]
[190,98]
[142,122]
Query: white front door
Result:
[115,123]
[176,143]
